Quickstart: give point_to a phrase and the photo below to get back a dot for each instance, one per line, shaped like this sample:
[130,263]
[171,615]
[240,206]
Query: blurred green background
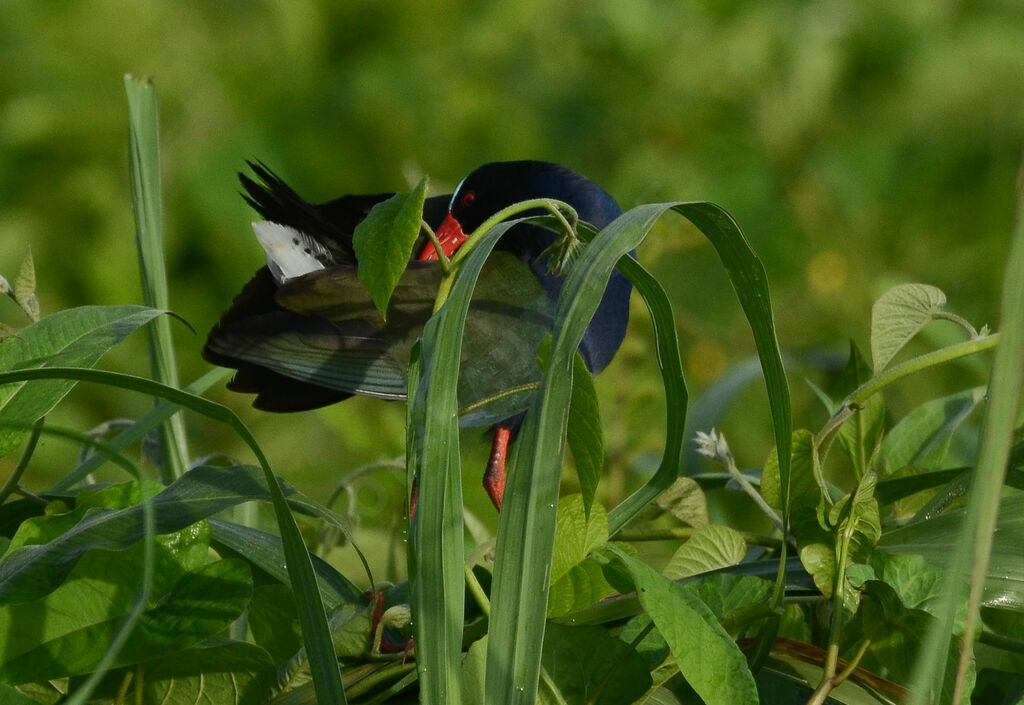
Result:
[858,143]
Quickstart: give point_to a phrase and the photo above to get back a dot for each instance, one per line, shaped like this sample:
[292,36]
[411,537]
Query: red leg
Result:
[494,476]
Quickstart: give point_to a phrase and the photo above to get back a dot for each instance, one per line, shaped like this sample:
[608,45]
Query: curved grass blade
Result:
[137,431]
[75,337]
[312,616]
[147,206]
[436,536]
[526,526]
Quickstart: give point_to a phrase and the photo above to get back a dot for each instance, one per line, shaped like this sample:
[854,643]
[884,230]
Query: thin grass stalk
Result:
[144,144]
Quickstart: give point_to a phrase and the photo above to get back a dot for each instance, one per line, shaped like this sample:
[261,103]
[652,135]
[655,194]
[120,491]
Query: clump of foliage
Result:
[891,570]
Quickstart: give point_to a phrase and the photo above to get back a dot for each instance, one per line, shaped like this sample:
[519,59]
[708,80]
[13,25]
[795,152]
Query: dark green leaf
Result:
[383,242]
[69,629]
[923,436]
[588,665]
[584,432]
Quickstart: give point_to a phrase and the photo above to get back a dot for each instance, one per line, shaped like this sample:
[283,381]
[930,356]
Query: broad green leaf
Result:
[66,631]
[576,534]
[30,570]
[709,548]
[860,434]
[922,437]
[685,500]
[898,315]
[582,586]
[897,632]
[274,622]
[383,242]
[589,666]
[706,655]
[804,491]
[934,538]
[473,669]
[217,671]
[730,597]
[74,337]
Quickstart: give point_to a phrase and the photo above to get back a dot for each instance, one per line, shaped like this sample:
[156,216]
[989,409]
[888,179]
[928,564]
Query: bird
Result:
[304,333]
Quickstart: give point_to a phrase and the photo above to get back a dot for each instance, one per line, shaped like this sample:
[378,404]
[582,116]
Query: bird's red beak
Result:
[450,236]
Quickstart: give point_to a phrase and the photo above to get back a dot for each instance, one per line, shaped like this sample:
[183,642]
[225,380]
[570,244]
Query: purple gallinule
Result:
[304,332]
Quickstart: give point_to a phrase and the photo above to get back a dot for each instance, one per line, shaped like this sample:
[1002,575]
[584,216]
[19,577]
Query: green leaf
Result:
[584,435]
[273,621]
[860,434]
[685,500]
[74,337]
[709,548]
[589,666]
[706,655]
[577,581]
[29,571]
[25,288]
[576,534]
[814,543]
[898,315]
[217,671]
[923,436]
[383,242]
[66,631]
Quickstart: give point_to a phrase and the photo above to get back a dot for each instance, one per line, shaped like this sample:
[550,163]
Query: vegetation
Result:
[854,567]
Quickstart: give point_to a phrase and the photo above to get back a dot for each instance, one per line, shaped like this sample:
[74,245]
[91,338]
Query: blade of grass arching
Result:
[666,343]
[436,560]
[974,546]
[312,615]
[138,430]
[144,142]
[526,526]
[527,522]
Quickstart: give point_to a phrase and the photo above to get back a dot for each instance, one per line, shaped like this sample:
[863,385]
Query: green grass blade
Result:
[137,431]
[974,546]
[312,616]
[526,527]
[436,538]
[147,206]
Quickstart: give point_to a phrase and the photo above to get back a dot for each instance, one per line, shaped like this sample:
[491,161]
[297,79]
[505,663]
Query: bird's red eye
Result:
[468,198]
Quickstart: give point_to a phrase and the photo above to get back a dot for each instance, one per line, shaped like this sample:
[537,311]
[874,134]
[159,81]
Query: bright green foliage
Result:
[383,242]
[898,316]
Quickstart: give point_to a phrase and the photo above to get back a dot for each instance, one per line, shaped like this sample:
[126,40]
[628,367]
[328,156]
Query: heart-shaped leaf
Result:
[898,315]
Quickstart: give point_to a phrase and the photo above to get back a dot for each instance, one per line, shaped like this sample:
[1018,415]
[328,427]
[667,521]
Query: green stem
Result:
[557,208]
[683,532]
[894,374]
[12,482]
[446,264]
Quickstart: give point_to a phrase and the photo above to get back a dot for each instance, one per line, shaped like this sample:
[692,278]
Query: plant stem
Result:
[684,532]
[12,482]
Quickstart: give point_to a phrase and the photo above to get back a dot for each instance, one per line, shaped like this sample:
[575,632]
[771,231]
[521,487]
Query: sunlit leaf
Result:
[383,242]
[710,547]
[706,655]
[898,315]
[685,501]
